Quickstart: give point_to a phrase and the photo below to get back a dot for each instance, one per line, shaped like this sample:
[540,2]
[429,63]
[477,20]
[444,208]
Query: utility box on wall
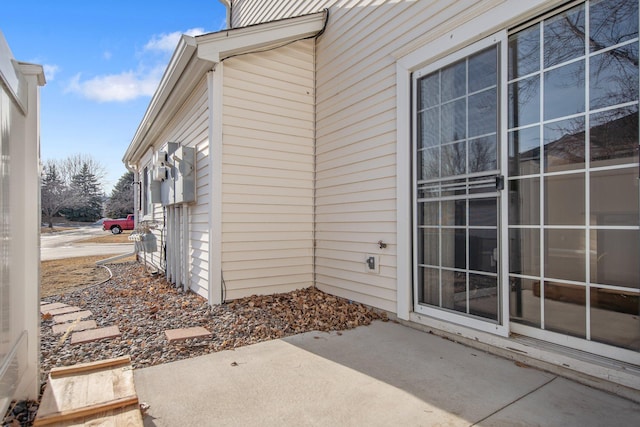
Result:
[184,174]
[174,176]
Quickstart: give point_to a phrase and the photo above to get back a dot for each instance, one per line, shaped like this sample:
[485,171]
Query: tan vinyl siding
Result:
[249,12]
[356,141]
[189,127]
[267,171]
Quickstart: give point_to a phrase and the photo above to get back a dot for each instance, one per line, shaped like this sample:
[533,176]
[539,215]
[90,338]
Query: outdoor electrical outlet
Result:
[372,263]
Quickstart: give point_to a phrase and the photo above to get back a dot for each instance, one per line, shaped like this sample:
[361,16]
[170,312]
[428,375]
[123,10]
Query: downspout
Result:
[178,245]
[215,87]
[137,192]
[170,243]
[186,282]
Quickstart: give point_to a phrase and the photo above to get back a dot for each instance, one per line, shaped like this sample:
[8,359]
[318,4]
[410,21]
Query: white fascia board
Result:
[215,47]
[37,70]
[179,60]
[10,76]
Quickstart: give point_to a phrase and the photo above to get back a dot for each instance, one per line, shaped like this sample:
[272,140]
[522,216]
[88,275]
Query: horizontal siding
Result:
[267,171]
[189,127]
[356,141]
[249,12]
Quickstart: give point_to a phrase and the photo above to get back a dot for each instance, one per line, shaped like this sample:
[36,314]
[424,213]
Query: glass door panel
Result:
[457,188]
[574,217]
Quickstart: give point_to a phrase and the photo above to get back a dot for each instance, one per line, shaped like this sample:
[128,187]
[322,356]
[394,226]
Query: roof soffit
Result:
[216,47]
[194,56]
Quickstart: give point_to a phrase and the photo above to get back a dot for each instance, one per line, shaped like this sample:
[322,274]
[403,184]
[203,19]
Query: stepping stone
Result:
[80,326]
[182,334]
[63,310]
[54,306]
[64,318]
[95,334]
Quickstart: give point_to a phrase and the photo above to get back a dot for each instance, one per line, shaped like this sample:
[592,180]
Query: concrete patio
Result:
[385,374]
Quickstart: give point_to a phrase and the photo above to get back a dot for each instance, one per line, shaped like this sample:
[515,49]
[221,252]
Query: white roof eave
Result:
[216,47]
[179,60]
[210,49]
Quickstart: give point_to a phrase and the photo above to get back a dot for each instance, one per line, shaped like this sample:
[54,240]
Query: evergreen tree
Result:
[89,197]
[121,201]
[54,193]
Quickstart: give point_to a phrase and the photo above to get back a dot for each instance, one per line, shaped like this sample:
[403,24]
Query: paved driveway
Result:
[65,244]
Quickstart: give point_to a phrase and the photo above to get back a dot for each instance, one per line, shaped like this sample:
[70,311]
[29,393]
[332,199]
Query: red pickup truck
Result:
[117,225]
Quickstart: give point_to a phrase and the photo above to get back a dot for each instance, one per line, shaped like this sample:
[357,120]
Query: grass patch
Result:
[61,275]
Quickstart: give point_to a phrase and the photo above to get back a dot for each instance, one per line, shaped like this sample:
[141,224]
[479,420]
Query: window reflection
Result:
[564,37]
[564,145]
[454,121]
[524,52]
[454,158]
[453,81]
[524,102]
[564,91]
[483,154]
[429,128]
[483,113]
[429,91]
[612,22]
[613,77]
[524,151]
[483,68]
[614,137]
[428,163]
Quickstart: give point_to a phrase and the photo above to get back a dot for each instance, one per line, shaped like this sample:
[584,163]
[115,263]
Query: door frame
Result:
[502,326]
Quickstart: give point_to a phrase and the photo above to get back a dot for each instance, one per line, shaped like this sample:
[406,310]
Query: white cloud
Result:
[50,71]
[168,42]
[122,87]
[129,85]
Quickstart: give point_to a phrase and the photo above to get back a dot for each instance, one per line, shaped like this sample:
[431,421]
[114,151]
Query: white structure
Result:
[20,229]
[447,161]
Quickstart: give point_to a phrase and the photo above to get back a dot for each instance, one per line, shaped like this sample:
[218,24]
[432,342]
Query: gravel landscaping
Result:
[144,306]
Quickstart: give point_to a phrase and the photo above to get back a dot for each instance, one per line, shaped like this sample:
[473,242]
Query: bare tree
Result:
[74,165]
[55,193]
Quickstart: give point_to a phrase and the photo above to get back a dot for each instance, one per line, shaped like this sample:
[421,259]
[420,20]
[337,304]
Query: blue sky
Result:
[103,61]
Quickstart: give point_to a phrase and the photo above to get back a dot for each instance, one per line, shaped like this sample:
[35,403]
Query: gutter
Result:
[196,55]
[179,60]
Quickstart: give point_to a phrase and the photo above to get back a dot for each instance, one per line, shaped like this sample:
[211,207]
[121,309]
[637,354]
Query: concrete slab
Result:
[95,334]
[72,326]
[64,318]
[383,374]
[565,403]
[45,309]
[64,310]
[175,335]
